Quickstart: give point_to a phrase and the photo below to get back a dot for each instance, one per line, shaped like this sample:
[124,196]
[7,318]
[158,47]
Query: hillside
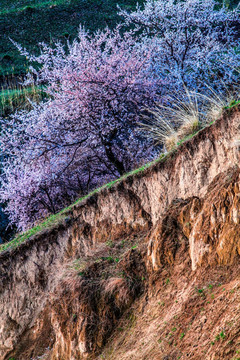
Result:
[31,22]
[146,268]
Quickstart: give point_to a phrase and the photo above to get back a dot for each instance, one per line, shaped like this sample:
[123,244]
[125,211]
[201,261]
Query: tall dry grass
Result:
[179,118]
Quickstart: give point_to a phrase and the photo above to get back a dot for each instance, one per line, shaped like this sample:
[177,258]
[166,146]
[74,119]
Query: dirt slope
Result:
[147,269]
[186,314]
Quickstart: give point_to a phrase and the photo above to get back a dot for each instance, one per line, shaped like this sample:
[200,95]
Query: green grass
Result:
[9,7]
[20,238]
[17,98]
[29,22]
[188,137]
[182,335]
[232,104]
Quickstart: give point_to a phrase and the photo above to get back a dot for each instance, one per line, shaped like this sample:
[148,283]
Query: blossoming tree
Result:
[85,134]
[196,41]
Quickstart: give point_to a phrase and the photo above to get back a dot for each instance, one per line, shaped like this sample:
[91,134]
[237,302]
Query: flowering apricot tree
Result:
[85,133]
[196,41]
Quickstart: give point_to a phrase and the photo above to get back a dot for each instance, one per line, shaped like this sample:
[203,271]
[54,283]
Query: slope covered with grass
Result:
[29,22]
[33,21]
[55,219]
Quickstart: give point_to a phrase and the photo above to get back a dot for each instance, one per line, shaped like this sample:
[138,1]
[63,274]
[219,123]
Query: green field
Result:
[29,22]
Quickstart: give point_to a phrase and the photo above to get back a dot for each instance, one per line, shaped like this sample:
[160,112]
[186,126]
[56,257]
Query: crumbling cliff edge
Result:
[64,291]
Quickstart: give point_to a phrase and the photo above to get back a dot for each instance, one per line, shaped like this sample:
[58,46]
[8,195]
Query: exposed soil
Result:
[146,270]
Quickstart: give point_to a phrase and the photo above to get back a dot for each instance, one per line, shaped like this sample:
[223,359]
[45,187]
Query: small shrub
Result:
[110,243]
[222,335]
[109,259]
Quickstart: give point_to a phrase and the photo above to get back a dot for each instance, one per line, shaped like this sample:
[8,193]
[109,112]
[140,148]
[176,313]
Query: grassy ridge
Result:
[29,22]
[55,219]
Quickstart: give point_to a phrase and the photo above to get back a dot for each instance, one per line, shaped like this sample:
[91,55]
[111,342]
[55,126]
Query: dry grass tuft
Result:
[214,104]
[19,97]
[169,125]
[69,275]
[159,127]
[119,288]
[171,141]
[112,285]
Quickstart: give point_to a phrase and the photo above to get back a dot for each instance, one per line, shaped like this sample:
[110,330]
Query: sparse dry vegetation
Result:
[170,125]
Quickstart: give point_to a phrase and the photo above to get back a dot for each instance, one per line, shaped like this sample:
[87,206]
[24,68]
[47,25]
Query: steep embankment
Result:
[145,257]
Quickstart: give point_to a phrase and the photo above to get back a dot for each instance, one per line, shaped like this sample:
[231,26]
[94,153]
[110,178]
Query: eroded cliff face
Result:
[163,236]
[190,309]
